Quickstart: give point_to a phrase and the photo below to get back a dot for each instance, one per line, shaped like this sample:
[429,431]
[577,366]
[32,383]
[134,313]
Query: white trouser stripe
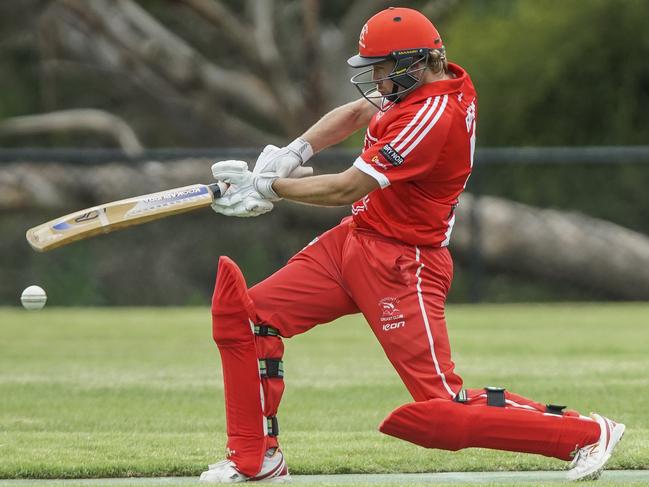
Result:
[264,423]
[522,406]
[510,402]
[427,324]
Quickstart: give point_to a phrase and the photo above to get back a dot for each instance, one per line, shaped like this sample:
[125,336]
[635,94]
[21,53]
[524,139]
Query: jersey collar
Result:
[438,87]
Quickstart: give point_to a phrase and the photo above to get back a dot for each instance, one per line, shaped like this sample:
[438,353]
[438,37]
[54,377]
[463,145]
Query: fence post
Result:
[475,258]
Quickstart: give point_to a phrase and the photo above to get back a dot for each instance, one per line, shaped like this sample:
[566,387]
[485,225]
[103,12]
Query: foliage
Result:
[557,72]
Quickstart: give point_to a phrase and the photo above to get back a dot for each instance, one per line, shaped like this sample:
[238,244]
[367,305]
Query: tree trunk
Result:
[552,244]
[513,237]
[119,36]
[79,120]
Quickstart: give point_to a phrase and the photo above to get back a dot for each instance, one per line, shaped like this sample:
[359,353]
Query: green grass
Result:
[137,392]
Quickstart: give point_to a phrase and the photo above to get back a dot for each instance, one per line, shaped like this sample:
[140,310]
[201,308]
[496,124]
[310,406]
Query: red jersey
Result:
[421,153]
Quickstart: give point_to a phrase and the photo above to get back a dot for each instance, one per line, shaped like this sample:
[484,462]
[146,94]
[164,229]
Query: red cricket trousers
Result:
[401,290]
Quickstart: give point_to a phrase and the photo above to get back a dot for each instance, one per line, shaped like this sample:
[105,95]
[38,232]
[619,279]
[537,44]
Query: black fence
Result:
[504,248]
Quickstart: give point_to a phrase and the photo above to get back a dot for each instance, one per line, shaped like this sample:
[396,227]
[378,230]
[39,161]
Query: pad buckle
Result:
[272,426]
[554,409]
[495,396]
[461,397]
[271,368]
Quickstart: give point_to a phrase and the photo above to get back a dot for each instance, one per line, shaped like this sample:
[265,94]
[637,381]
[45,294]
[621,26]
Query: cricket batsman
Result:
[388,260]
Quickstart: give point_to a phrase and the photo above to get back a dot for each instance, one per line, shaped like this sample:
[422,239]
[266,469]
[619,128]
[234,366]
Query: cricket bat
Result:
[121,214]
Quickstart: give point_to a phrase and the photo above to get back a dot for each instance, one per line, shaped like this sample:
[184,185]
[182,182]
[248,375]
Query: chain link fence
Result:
[551,224]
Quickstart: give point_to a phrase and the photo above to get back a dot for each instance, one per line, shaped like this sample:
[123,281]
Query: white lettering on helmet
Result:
[361,39]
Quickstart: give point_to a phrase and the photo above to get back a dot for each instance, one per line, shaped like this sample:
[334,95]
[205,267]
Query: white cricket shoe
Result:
[273,469]
[589,461]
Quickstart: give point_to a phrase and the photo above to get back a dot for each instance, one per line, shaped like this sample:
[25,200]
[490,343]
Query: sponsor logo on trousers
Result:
[394,325]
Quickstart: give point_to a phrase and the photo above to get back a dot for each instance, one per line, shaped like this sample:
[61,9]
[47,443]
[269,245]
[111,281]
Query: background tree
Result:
[211,72]
[556,72]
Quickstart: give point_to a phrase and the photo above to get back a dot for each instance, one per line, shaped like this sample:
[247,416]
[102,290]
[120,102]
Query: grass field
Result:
[137,392]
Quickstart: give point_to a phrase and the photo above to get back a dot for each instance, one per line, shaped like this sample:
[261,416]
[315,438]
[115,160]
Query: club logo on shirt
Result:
[377,160]
[360,205]
[392,155]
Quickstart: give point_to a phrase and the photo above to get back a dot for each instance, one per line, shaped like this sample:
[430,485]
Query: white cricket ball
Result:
[33,298]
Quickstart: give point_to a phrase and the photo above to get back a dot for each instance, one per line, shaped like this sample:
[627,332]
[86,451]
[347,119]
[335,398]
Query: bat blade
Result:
[121,214]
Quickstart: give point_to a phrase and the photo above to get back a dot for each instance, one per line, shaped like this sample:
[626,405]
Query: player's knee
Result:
[425,424]
[232,308]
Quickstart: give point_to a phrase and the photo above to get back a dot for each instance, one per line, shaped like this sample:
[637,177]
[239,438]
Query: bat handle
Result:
[218,189]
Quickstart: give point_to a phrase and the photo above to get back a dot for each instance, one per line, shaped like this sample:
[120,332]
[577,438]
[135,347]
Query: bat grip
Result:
[218,189]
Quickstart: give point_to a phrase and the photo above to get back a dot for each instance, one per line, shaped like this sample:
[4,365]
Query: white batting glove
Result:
[241,199]
[237,174]
[285,161]
[233,205]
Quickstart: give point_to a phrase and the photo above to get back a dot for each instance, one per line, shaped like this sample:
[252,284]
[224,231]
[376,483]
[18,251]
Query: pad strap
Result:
[272,426]
[271,368]
[302,148]
[266,331]
[495,396]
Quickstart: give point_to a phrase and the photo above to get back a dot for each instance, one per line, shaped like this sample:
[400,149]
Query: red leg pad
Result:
[232,310]
[448,425]
[271,347]
[479,396]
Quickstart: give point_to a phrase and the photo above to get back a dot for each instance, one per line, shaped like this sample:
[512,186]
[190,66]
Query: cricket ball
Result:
[33,298]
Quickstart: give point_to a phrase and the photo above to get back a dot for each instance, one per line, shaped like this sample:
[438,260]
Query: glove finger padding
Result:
[279,161]
[301,172]
[231,171]
[247,208]
[265,159]
[257,205]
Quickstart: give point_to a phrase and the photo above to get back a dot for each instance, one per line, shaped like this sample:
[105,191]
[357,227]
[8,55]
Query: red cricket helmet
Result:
[403,35]
[391,31]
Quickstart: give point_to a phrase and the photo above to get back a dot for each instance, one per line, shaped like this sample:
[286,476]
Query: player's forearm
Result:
[339,124]
[327,190]
[322,190]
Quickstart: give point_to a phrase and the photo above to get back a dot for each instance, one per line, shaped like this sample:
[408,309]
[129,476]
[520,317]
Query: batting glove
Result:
[285,161]
[237,173]
[241,199]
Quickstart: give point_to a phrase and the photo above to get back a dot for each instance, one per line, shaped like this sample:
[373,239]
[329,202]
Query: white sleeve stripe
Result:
[427,129]
[420,125]
[363,166]
[412,122]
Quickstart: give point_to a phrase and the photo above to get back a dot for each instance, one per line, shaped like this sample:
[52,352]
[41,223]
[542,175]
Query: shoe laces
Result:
[584,454]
